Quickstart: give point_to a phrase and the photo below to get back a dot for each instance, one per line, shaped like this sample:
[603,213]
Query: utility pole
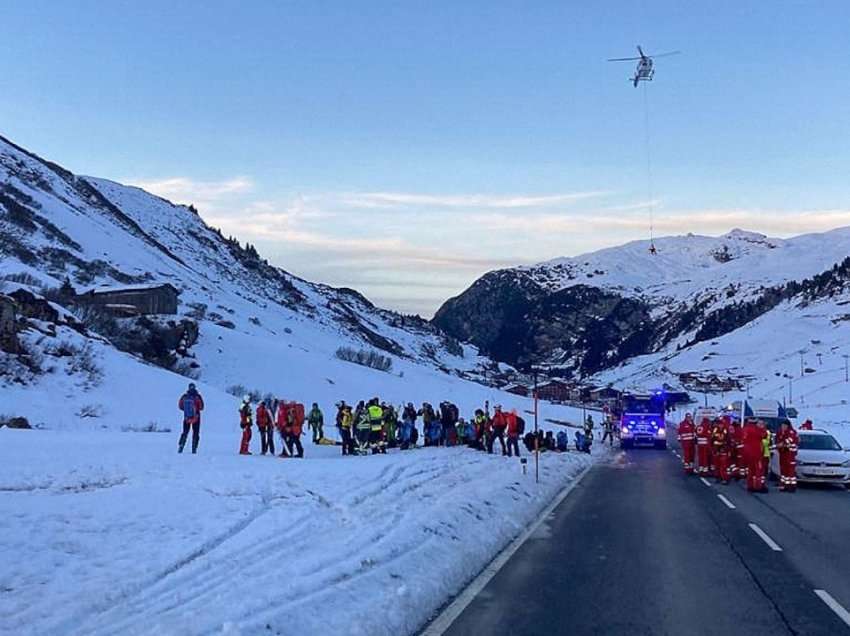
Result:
[536,439]
[846,374]
[802,365]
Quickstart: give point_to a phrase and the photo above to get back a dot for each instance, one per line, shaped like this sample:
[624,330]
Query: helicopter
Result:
[644,71]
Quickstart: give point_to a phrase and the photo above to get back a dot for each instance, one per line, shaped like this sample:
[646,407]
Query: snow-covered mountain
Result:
[259,327]
[682,314]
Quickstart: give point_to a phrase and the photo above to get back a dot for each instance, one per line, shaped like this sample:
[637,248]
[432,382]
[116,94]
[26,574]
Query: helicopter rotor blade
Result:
[640,50]
[665,54]
[623,59]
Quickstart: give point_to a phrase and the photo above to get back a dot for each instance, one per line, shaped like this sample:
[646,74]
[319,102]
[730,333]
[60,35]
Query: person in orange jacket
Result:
[281,419]
[720,448]
[753,435]
[787,443]
[293,429]
[687,440]
[703,437]
[246,421]
[266,427]
[513,430]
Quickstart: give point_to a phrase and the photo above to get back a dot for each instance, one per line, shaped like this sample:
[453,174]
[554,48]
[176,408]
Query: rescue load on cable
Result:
[645,72]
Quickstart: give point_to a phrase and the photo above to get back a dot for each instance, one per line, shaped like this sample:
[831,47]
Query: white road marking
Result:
[728,503]
[448,616]
[764,536]
[705,481]
[834,605]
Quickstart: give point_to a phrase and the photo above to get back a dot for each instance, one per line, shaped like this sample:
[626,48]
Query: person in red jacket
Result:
[293,429]
[513,432]
[687,440]
[497,430]
[191,404]
[787,443]
[703,437]
[753,437]
[266,427]
[737,466]
[282,416]
[806,426]
[720,448]
[246,422]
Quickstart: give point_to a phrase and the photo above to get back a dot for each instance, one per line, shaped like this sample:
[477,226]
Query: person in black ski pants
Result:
[191,404]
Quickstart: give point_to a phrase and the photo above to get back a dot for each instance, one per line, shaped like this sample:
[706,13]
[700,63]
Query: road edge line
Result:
[834,605]
[766,538]
[449,615]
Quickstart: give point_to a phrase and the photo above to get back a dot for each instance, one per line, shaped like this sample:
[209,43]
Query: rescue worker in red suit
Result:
[806,426]
[703,437]
[737,465]
[687,440]
[513,432]
[720,449]
[787,442]
[753,436]
[191,404]
[266,426]
[245,422]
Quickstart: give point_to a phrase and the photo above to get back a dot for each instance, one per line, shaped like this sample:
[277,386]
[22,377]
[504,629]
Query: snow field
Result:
[107,533]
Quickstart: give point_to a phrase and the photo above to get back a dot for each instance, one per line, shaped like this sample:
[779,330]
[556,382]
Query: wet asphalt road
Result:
[638,548]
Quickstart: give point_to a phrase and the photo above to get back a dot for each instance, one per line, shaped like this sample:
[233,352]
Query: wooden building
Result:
[134,299]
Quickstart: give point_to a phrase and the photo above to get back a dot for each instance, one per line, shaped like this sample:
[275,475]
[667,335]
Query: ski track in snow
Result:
[221,544]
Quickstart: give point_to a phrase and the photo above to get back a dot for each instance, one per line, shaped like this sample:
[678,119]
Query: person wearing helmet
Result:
[316,420]
[191,404]
[245,422]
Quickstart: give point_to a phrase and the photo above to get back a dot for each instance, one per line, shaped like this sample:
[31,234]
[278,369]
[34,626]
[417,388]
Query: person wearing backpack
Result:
[245,423]
[563,441]
[316,420]
[514,431]
[191,404]
[293,429]
[408,425]
[266,427]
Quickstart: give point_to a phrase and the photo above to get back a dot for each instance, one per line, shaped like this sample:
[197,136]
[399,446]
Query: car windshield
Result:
[644,406]
[819,442]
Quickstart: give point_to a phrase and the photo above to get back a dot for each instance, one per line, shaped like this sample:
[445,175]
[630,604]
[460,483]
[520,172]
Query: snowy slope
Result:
[106,529]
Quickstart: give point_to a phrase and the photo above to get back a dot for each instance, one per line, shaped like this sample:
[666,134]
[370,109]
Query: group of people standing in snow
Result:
[373,426]
[725,449]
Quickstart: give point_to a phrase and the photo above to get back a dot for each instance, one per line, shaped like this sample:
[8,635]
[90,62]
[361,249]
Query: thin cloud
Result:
[187,190]
[470,201]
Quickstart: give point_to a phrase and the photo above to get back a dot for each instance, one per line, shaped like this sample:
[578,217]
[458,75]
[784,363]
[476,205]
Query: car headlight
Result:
[662,432]
[846,464]
[625,430]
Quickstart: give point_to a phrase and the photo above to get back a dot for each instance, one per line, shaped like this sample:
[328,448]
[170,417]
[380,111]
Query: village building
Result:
[133,300]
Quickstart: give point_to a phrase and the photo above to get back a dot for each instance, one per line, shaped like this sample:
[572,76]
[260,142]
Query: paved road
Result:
[639,549]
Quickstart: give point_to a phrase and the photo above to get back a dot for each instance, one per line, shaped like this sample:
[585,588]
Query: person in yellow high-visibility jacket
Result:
[376,426]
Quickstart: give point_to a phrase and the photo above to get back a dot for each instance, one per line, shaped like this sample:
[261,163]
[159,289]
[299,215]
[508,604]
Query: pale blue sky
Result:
[405,148]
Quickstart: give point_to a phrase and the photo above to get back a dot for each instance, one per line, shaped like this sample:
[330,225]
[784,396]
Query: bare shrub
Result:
[366,358]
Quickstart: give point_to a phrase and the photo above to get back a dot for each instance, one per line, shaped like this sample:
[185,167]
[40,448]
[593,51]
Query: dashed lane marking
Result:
[705,481]
[834,605]
[728,503]
[764,537]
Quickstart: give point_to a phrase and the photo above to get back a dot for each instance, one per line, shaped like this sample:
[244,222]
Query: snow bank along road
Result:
[114,533]
[638,548]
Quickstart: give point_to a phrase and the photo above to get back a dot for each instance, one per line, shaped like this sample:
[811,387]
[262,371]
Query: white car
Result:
[820,459]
